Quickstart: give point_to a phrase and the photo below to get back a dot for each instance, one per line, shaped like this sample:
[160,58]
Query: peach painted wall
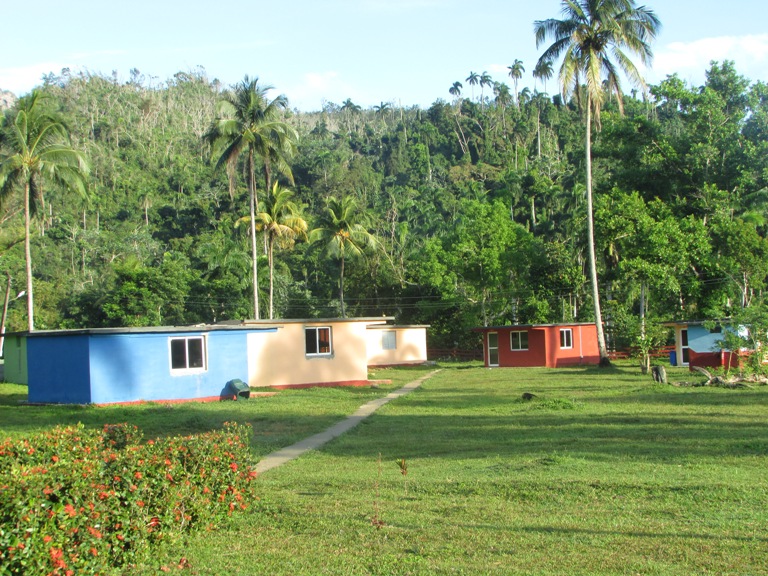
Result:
[411,345]
[279,359]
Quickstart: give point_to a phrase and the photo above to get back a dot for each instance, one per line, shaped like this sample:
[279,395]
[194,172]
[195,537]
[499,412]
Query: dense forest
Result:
[468,213]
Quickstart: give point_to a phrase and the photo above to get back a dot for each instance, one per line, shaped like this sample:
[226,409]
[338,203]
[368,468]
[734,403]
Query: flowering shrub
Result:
[75,501]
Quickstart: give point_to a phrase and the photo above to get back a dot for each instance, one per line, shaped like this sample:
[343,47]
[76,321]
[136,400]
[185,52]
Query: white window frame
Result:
[566,338]
[187,369]
[518,346]
[389,340]
[316,330]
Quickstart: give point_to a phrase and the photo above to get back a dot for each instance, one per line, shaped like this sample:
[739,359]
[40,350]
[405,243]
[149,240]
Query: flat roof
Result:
[507,326]
[262,325]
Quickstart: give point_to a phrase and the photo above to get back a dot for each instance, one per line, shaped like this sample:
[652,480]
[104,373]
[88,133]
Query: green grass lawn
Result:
[602,473]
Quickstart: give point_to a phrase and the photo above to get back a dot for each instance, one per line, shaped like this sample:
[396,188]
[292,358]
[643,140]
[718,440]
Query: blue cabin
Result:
[696,345]
[108,365]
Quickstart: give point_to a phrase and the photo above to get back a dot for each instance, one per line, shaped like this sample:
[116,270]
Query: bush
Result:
[76,501]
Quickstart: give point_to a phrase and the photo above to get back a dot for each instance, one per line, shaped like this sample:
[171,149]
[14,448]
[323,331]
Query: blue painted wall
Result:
[702,340]
[58,369]
[128,367]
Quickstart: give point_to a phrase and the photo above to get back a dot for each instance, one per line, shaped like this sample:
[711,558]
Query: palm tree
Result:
[473,79]
[145,201]
[543,71]
[342,228]
[249,122]
[280,220]
[350,109]
[516,72]
[590,32]
[455,90]
[35,147]
[485,80]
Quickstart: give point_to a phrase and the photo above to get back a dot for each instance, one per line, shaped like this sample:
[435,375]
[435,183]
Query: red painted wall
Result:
[534,356]
[544,346]
[712,359]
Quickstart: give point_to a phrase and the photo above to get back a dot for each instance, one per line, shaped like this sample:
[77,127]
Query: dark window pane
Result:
[178,354]
[324,339]
[310,336]
[523,340]
[195,353]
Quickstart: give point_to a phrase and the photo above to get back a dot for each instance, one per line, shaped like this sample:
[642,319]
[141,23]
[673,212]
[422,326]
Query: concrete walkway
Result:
[275,459]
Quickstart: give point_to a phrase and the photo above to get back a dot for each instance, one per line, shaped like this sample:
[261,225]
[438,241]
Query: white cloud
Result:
[20,80]
[316,88]
[690,60]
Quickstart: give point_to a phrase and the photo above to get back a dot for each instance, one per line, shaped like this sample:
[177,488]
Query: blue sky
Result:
[407,52]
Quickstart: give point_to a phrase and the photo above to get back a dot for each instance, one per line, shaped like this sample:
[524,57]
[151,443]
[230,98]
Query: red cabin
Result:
[549,345]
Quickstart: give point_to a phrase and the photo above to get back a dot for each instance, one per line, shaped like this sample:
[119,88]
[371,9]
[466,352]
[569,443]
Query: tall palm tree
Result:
[543,71]
[589,34]
[485,80]
[249,122]
[516,72]
[35,147]
[455,89]
[280,220]
[342,228]
[473,79]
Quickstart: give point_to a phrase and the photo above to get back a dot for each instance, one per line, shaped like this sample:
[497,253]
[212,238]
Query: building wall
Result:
[58,370]
[544,346]
[15,359]
[411,345]
[535,355]
[131,367]
[584,351]
[280,359]
[703,347]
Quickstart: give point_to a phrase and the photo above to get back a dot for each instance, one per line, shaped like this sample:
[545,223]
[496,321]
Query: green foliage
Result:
[478,205]
[74,500]
[746,336]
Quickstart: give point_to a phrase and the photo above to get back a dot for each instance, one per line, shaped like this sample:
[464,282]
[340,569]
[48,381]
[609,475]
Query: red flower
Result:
[70,510]
[57,555]
[137,475]
[54,458]
[233,466]
[95,533]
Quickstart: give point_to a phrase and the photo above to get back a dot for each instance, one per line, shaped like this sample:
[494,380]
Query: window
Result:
[188,354]
[518,340]
[566,338]
[318,341]
[388,340]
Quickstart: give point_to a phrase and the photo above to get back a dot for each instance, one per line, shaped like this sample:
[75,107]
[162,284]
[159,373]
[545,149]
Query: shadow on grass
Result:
[658,437]
[619,533]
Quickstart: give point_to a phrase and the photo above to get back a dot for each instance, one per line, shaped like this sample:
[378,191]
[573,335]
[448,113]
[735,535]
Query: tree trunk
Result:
[254,251]
[28,258]
[271,278]
[604,360]
[5,312]
[341,288]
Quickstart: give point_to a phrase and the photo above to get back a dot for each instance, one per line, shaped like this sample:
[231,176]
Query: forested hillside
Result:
[476,205]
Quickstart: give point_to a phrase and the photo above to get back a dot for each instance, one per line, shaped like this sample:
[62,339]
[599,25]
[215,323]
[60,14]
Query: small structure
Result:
[549,345]
[390,345]
[110,365]
[698,346]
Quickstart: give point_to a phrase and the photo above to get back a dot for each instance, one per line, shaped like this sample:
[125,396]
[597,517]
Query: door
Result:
[493,349]
[684,350]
